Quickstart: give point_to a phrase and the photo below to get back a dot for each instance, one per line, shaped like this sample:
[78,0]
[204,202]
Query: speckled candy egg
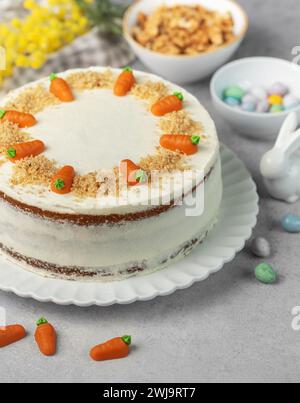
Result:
[279,89]
[248,106]
[275,100]
[234,91]
[291,223]
[249,98]
[259,93]
[276,109]
[260,247]
[290,101]
[232,101]
[263,106]
[265,274]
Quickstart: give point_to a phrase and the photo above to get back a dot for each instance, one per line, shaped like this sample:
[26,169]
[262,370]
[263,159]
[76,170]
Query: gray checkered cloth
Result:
[88,50]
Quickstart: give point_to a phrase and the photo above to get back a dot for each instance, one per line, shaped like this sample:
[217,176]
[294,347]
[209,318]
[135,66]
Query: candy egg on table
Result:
[265,273]
[291,223]
[290,101]
[279,89]
[260,247]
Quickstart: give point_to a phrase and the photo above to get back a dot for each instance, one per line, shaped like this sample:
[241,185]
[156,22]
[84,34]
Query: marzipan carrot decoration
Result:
[62,181]
[61,89]
[133,173]
[172,103]
[17,152]
[19,118]
[124,82]
[45,336]
[112,349]
[179,142]
[11,334]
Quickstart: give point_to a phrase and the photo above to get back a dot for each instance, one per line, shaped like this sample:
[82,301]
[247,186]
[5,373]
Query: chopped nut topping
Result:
[151,91]
[183,30]
[33,170]
[11,134]
[91,80]
[86,185]
[33,100]
[164,160]
[179,123]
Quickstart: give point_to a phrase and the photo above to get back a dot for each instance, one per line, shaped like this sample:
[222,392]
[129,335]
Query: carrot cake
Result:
[105,174]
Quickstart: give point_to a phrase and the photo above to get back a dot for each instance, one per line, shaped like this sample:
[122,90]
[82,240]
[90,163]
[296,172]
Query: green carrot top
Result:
[128,69]
[53,76]
[195,140]
[2,113]
[59,184]
[126,339]
[41,321]
[179,96]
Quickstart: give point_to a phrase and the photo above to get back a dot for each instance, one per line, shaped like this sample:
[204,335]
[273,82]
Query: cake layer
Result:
[107,250]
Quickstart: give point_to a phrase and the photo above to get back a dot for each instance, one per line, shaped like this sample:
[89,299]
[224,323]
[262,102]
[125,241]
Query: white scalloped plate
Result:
[238,217]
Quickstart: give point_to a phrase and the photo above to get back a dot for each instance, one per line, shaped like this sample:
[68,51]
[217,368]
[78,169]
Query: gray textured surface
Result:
[228,328]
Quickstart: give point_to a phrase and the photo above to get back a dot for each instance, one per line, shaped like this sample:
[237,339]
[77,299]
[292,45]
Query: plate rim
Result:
[80,299]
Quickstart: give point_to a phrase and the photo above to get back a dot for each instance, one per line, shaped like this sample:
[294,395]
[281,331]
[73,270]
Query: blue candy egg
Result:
[232,101]
[291,223]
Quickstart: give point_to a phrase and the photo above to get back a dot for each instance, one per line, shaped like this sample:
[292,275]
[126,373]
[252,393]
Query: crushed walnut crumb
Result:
[180,123]
[33,170]
[164,160]
[151,91]
[86,185]
[33,100]
[92,80]
[11,134]
[184,30]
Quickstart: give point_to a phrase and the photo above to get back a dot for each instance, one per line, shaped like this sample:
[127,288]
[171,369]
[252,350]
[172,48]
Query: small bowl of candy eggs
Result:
[255,95]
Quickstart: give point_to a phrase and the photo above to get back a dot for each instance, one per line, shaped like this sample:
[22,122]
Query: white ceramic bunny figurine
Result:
[280,167]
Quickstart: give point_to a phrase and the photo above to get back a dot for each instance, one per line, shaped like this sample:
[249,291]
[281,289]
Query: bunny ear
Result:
[289,126]
[292,143]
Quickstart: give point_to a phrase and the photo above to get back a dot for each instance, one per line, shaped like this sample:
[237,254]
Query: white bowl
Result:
[184,69]
[251,72]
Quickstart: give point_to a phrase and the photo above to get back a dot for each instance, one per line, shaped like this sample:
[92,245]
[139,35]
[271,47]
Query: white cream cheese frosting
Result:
[96,132]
